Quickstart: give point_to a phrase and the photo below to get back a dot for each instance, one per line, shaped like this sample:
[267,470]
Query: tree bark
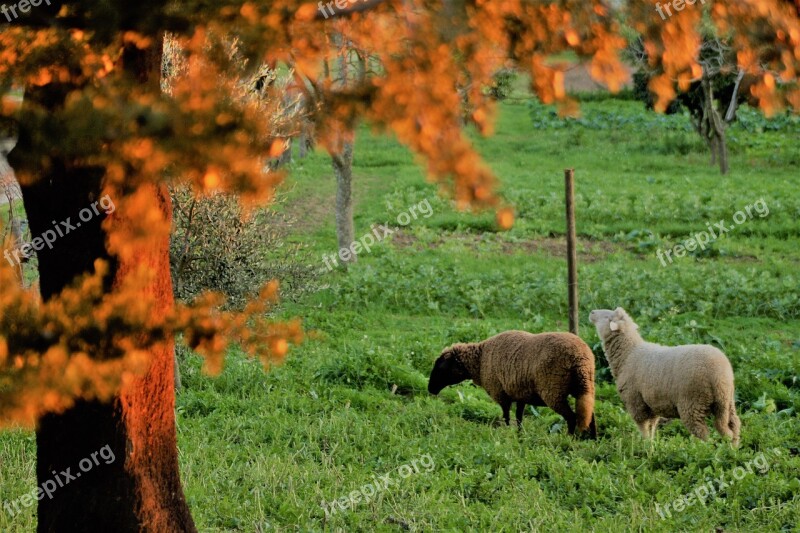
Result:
[343,163]
[139,490]
[723,154]
[286,157]
[343,170]
[302,145]
[716,126]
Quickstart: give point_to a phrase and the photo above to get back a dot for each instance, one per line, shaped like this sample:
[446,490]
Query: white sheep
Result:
[689,382]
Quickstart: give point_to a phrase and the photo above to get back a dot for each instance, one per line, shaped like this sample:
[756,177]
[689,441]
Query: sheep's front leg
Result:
[641,413]
[654,426]
[647,427]
[505,403]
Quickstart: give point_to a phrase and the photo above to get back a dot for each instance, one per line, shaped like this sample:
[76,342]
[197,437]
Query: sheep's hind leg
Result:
[735,425]
[694,419]
[593,428]
[562,407]
[520,412]
[723,425]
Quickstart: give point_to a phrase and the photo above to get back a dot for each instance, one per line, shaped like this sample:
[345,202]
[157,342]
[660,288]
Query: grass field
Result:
[349,408]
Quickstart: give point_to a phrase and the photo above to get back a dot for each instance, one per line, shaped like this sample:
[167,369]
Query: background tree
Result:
[91,365]
[712,100]
[350,70]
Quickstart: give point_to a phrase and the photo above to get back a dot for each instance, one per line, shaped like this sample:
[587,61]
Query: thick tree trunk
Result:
[135,487]
[343,170]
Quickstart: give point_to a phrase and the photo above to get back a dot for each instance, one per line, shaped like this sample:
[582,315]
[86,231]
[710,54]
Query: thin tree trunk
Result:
[361,67]
[731,113]
[712,143]
[343,165]
[716,125]
[139,490]
[177,376]
[343,170]
[286,157]
[302,144]
[723,153]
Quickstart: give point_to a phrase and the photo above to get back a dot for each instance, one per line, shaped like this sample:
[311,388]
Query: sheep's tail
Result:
[584,398]
[584,413]
[724,409]
[726,421]
[583,391]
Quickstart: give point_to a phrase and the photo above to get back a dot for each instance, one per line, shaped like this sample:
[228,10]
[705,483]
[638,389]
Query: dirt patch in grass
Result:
[588,251]
[309,212]
[578,80]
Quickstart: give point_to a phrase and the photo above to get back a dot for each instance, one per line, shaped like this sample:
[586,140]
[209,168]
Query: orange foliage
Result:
[209,130]
[87,343]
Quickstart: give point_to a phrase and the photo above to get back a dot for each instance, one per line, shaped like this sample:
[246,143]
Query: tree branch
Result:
[734,98]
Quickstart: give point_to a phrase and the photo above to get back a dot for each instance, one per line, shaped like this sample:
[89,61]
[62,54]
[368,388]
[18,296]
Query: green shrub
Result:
[214,247]
[502,84]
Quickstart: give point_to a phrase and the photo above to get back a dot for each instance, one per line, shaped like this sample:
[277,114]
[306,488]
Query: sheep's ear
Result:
[613,325]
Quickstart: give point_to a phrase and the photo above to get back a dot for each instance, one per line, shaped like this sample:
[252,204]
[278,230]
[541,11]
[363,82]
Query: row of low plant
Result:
[441,284]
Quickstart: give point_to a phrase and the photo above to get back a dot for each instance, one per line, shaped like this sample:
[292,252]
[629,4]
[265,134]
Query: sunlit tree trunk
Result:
[343,170]
[139,490]
[342,161]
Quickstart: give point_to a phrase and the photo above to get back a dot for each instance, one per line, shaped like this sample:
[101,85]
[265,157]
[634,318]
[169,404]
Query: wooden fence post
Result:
[572,255]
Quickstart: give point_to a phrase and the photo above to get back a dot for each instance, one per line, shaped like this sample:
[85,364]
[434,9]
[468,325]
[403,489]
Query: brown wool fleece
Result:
[534,369]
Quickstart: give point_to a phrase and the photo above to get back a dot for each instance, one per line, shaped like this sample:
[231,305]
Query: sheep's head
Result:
[610,322]
[447,370]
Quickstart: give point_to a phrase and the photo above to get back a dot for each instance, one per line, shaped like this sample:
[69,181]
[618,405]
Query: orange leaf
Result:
[505,218]
[306,13]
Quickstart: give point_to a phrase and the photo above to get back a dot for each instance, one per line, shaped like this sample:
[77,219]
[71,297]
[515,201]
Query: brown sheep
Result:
[517,366]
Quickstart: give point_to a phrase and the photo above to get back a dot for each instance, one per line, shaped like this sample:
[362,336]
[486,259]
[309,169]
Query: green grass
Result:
[261,451]
[29,272]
